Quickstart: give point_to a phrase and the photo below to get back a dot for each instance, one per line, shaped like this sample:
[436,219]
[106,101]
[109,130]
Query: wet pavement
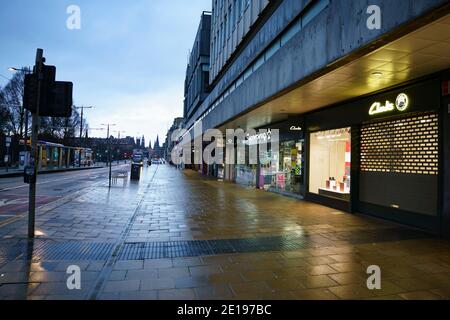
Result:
[175,235]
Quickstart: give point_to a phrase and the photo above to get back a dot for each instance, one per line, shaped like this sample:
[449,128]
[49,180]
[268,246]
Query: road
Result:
[51,187]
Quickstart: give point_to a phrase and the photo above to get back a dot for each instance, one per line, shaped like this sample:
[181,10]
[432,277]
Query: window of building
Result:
[233,13]
[241,7]
[225,26]
[272,49]
[291,32]
[230,19]
[247,73]
[239,81]
[258,63]
[329,173]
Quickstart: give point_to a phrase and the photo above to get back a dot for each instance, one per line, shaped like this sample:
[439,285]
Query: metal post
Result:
[109,157]
[81,134]
[34,149]
[26,132]
[7,156]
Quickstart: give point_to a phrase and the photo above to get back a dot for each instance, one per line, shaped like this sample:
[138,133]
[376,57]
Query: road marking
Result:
[39,183]
[25,214]
[44,182]
[7,202]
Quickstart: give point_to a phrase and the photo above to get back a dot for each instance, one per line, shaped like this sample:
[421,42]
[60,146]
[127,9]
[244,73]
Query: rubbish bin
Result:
[135,171]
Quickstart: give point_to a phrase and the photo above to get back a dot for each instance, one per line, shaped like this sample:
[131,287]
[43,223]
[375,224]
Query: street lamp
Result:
[81,128]
[109,149]
[13,69]
[22,111]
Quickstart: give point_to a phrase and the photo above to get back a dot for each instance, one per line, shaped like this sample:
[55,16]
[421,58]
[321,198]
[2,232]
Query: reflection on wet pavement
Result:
[175,235]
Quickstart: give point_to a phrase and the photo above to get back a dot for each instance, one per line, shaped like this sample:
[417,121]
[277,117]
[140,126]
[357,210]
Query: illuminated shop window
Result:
[329,173]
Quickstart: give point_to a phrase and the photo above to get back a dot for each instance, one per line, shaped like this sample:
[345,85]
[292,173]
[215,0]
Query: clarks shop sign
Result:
[401,104]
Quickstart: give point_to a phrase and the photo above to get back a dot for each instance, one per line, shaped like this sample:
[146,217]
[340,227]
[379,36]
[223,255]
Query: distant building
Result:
[121,148]
[196,85]
[169,144]
[157,151]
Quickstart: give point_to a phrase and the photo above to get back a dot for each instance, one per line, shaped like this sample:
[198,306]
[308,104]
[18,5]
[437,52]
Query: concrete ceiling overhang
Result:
[419,53]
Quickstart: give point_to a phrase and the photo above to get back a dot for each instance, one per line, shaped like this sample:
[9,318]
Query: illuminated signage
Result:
[294,128]
[260,137]
[401,104]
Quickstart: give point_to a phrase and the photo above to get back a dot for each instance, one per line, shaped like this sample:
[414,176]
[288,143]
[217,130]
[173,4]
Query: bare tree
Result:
[13,115]
[4,114]
[13,99]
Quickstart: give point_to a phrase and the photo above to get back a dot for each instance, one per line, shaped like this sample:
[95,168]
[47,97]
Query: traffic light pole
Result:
[109,158]
[81,137]
[34,148]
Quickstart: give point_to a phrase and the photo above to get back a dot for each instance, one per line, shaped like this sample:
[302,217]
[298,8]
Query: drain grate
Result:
[49,250]
[9,253]
[194,248]
[73,251]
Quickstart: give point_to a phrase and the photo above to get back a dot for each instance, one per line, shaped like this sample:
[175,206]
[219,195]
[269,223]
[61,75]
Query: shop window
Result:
[284,170]
[329,173]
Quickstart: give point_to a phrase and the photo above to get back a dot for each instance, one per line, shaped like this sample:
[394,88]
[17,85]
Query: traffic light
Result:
[60,101]
[55,96]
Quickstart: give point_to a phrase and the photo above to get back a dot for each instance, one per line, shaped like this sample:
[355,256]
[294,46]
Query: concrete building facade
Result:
[196,85]
[359,92]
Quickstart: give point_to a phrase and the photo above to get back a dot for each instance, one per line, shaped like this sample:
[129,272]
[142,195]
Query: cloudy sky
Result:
[128,60]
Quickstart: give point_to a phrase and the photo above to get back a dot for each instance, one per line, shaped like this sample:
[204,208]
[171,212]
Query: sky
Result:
[128,59]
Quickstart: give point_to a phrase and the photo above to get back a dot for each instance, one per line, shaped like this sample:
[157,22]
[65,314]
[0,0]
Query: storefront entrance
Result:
[380,155]
[400,164]
[283,171]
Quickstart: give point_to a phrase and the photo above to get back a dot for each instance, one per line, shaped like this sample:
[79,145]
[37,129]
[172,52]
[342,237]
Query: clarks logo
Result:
[401,103]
